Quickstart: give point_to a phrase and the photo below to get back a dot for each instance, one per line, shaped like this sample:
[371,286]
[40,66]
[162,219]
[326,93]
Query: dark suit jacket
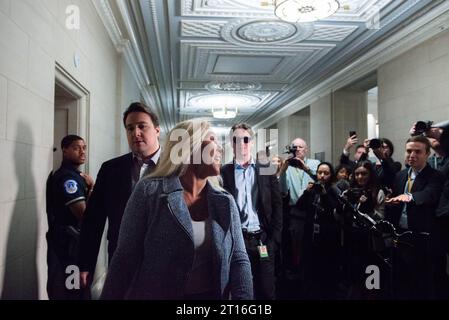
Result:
[269,202]
[107,201]
[426,191]
[443,206]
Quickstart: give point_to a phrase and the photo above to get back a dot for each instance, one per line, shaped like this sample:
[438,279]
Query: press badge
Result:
[263,252]
[316,228]
[316,231]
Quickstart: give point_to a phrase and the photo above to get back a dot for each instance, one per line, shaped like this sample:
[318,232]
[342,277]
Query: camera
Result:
[290,149]
[353,194]
[422,126]
[317,187]
[375,143]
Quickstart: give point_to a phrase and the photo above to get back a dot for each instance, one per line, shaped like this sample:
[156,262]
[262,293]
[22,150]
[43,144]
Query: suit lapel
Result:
[402,182]
[420,180]
[126,172]
[229,172]
[173,192]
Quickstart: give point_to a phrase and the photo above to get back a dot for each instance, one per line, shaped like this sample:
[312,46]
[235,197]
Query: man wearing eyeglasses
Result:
[115,182]
[258,200]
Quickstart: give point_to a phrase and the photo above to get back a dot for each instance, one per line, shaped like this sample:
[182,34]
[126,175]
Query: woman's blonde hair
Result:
[186,135]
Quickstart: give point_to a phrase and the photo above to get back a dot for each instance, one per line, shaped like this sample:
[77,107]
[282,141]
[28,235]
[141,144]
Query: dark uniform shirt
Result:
[66,186]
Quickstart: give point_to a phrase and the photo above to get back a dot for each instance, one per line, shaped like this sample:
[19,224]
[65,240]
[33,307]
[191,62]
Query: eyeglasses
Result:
[246,140]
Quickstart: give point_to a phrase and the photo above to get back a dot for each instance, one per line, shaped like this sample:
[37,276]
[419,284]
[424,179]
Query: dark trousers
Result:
[262,270]
[56,282]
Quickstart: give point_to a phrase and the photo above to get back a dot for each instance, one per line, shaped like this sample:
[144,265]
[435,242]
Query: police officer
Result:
[68,190]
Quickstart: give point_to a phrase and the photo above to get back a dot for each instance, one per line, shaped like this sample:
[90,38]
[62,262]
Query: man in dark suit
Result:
[257,193]
[416,194]
[115,182]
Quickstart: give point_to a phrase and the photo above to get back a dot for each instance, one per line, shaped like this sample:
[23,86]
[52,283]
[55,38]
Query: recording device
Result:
[352,133]
[318,187]
[353,194]
[290,149]
[375,143]
[422,126]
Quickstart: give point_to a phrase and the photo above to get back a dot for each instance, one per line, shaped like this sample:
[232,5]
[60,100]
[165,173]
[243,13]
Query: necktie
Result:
[403,221]
[146,168]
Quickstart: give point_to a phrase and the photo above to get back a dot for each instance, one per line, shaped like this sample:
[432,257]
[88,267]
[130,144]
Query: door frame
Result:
[66,81]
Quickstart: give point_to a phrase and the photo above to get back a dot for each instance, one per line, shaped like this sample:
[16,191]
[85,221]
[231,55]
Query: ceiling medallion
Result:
[265,32]
[219,86]
[217,100]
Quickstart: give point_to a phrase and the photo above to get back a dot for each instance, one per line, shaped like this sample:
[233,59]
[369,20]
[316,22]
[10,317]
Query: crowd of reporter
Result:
[370,212]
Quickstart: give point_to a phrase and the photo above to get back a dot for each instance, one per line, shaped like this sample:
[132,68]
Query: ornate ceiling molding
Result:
[265,32]
[129,48]
[199,28]
[199,58]
[259,97]
[212,29]
[425,27]
[221,86]
[328,32]
[350,10]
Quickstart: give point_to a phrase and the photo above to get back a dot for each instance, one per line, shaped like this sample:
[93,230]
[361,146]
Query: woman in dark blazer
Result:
[180,237]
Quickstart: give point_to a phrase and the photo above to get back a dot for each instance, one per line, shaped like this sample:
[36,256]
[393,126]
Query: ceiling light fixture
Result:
[224,112]
[304,10]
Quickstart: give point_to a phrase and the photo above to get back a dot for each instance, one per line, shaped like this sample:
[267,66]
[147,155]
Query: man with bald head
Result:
[296,177]
[297,174]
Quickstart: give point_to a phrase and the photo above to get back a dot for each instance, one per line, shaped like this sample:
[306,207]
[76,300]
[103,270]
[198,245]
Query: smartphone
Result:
[352,133]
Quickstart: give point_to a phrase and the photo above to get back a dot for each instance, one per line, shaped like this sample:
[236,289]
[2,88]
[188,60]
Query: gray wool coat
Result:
[155,247]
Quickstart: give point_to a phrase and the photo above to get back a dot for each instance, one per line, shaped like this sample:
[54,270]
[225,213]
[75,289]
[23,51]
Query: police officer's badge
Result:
[71,186]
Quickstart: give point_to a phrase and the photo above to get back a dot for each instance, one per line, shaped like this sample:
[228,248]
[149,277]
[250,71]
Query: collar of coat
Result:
[220,203]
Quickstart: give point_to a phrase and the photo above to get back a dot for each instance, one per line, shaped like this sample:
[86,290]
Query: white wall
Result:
[129,93]
[294,126]
[414,86]
[321,127]
[349,112]
[33,38]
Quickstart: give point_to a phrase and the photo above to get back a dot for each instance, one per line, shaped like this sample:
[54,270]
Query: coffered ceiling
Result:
[191,55]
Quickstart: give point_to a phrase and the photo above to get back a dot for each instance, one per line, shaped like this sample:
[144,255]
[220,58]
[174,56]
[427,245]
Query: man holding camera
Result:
[298,172]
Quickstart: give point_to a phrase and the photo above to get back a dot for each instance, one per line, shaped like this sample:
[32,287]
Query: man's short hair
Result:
[360,146]
[243,126]
[140,107]
[420,139]
[67,140]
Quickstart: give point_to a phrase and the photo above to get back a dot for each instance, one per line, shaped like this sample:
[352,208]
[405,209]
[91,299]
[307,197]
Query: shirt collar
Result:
[71,166]
[240,167]
[154,157]
[413,173]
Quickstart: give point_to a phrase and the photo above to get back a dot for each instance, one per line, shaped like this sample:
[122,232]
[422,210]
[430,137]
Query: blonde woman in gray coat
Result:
[180,237]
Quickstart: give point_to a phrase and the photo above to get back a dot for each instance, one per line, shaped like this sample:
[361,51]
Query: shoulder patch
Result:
[71,186]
